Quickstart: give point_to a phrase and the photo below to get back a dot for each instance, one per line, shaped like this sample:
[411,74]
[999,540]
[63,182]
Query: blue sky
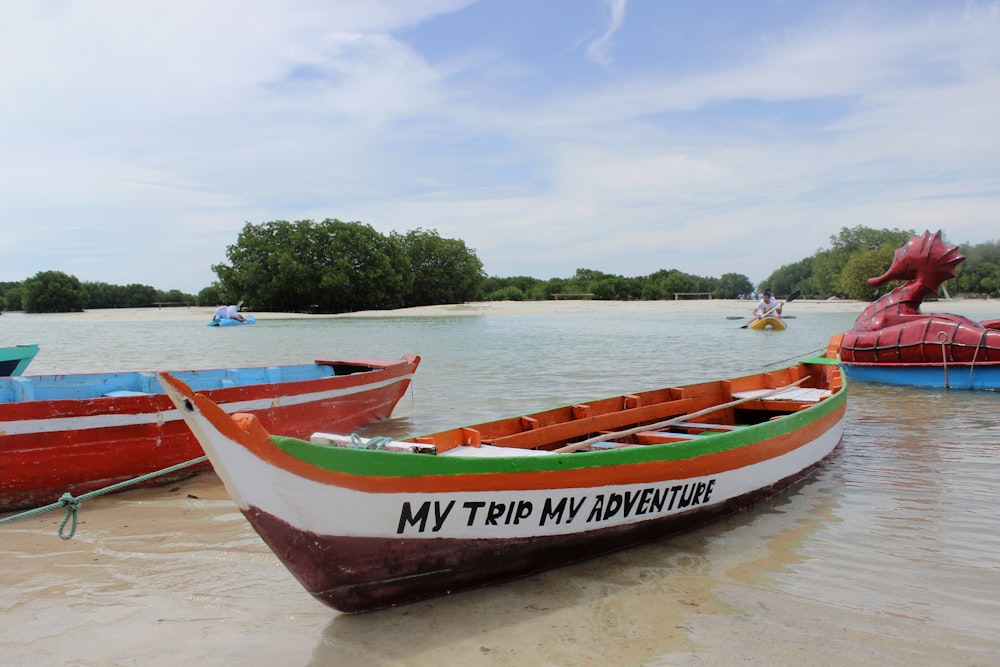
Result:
[549,135]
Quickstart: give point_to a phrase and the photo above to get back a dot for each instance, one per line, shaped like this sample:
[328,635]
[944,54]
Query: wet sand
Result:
[179,578]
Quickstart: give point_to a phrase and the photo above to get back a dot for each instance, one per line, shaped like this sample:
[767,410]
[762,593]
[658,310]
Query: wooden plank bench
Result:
[554,434]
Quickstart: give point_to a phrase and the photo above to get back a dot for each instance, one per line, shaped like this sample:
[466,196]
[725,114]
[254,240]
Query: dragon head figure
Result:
[925,259]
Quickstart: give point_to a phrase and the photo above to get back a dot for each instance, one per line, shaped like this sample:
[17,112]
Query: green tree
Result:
[102,295]
[508,293]
[135,295]
[555,286]
[441,270]
[15,297]
[516,288]
[331,266]
[861,266]
[677,281]
[828,265]
[363,270]
[732,285]
[209,296]
[269,265]
[54,292]
[980,273]
[796,276]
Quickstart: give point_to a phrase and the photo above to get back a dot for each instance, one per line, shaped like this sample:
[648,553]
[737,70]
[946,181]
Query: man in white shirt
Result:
[768,306]
[233,313]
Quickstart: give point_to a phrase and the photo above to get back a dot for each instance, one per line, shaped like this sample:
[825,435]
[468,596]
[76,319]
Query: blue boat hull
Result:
[250,319]
[984,377]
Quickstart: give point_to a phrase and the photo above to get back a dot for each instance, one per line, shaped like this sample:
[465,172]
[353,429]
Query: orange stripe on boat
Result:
[257,441]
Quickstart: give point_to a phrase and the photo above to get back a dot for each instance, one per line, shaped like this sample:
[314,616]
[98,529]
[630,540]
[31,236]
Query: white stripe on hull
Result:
[327,510]
[110,419]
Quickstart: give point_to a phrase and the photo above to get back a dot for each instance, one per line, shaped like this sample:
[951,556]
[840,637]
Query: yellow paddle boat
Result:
[775,323]
[770,320]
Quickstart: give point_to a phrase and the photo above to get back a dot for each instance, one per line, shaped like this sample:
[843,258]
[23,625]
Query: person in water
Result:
[768,306]
[233,313]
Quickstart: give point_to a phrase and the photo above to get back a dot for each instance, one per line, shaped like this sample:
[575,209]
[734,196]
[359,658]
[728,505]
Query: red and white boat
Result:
[79,433]
[371,523]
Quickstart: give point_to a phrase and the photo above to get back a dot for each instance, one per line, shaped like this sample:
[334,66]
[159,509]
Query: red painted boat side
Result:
[935,339]
[57,456]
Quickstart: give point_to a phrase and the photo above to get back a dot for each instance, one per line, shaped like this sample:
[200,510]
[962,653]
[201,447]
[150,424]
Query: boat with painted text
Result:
[369,523]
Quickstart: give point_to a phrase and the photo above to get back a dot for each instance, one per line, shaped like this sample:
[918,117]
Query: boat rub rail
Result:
[542,432]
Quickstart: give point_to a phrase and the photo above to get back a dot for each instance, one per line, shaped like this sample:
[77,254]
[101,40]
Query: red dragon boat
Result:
[893,342]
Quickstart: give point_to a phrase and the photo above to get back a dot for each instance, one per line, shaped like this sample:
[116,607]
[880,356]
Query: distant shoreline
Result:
[726,307]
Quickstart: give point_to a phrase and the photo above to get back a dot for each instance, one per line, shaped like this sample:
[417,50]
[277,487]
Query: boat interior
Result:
[675,414]
[140,383]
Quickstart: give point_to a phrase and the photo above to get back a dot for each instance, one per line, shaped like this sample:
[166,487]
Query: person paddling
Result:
[768,306]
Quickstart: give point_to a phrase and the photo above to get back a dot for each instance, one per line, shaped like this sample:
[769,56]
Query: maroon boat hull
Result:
[402,571]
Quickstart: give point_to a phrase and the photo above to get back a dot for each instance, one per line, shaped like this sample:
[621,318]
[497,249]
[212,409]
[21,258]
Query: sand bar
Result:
[727,307]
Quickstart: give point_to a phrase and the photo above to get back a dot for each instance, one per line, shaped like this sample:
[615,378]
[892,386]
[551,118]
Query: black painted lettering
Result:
[524,508]
[473,507]
[685,496]
[708,490]
[630,499]
[495,511]
[614,504]
[644,500]
[595,511]
[698,491]
[407,517]
[574,508]
[440,516]
[550,512]
[673,496]
[656,505]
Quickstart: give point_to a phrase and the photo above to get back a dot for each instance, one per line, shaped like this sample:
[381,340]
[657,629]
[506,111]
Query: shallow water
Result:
[890,553]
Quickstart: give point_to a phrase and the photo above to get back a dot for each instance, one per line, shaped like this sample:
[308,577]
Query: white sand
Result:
[729,307]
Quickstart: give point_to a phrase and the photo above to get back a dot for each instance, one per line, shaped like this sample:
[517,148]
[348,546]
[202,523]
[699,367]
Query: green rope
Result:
[797,356]
[378,442]
[72,504]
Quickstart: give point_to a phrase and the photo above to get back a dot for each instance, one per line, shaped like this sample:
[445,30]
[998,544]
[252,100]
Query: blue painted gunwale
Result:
[984,377]
[98,385]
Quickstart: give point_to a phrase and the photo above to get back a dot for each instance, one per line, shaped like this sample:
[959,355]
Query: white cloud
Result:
[166,126]
[599,49]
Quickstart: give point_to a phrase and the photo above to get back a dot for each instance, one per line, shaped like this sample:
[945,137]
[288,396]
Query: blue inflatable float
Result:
[224,322]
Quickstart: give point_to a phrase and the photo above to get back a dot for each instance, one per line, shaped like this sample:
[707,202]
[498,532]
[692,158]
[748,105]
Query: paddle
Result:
[791,297]
[574,446]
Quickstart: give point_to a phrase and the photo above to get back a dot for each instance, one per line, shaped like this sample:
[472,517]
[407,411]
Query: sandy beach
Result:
[726,307]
